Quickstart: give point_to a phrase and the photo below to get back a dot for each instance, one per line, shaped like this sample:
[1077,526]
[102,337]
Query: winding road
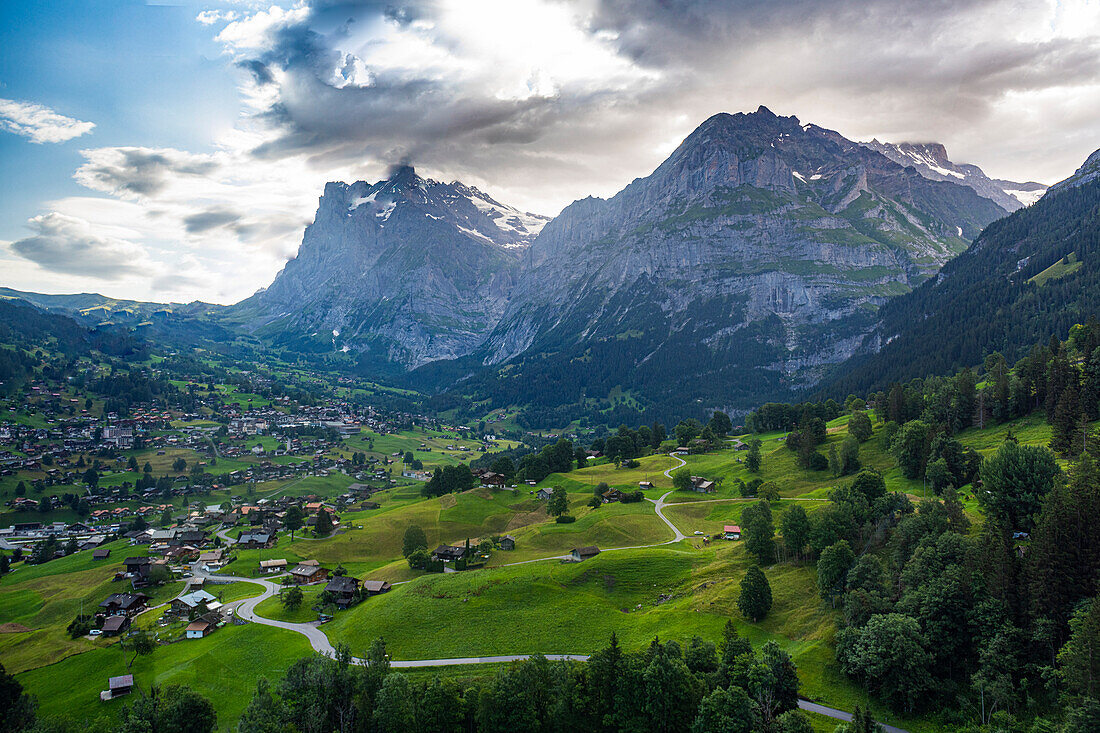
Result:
[246,609]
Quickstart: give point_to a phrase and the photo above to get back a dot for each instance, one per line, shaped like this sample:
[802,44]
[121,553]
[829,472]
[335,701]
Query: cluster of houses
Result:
[344,590]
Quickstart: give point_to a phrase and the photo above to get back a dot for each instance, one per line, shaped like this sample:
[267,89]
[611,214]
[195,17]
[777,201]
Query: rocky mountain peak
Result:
[930,159]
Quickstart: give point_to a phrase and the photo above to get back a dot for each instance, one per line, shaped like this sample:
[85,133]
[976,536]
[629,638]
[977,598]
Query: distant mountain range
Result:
[931,161]
[747,266]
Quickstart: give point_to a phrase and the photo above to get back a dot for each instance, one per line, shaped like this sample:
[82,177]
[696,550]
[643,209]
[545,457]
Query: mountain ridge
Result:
[931,161]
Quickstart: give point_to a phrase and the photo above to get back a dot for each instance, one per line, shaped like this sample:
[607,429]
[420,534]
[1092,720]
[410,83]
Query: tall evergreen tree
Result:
[755,599]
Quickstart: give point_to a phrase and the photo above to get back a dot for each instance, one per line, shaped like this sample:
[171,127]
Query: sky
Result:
[175,151]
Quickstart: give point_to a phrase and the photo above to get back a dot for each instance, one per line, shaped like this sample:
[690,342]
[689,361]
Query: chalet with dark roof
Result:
[344,589]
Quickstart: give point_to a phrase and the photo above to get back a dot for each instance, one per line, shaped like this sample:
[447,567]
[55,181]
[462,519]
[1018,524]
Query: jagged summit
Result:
[931,161]
[406,270]
[755,256]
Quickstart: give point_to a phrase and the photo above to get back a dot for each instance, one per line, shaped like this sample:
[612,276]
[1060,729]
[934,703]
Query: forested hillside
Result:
[1028,276]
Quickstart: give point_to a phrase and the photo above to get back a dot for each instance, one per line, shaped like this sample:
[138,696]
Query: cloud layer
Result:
[40,124]
[545,101]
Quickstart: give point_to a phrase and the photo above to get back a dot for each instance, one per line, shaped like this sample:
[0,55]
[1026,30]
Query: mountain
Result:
[176,324]
[1028,276]
[931,161]
[1089,171]
[752,259]
[403,272]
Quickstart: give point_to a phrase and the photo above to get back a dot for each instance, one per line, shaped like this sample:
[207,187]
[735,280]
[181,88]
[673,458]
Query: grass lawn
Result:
[223,667]
[273,607]
[711,516]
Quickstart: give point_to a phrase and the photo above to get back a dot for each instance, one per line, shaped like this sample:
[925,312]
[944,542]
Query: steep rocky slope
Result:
[406,270]
[751,259]
[1028,276]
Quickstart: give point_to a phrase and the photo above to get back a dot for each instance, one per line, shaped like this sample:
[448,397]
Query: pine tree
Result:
[1063,426]
[755,599]
[752,460]
[759,532]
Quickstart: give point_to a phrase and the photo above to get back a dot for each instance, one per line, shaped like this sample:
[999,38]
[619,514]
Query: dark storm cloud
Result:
[138,171]
[933,69]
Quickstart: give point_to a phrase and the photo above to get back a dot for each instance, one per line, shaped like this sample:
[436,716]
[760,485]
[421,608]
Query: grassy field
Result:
[46,598]
[674,591]
[273,607]
[710,516]
[223,667]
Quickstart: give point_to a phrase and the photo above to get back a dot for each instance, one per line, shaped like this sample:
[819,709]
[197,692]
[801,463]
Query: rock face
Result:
[753,257]
[931,161]
[1088,172]
[749,261]
[407,270]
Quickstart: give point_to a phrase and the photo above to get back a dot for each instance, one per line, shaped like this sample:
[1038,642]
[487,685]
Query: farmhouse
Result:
[583,553]
[202,626]
[126,604]
[137,567]
[732,532]
[115,625]
[612,495]
[507,542]
[185,604]
[254,540]
[273,566]
[544,494]
[374,587]
[212,557]
[308,571]
[344,589]
[122,685]
[702,485]
[101,553]
[448,552]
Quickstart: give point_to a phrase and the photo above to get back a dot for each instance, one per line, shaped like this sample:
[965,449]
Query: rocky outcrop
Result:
[1089,171]
[931,161]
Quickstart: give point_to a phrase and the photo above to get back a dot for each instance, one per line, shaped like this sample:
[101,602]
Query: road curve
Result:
[246,609]
[813,707]
[683,463]
[658,506]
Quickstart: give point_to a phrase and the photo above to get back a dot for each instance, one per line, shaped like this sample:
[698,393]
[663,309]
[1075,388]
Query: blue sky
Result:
[140,72]
[175,151]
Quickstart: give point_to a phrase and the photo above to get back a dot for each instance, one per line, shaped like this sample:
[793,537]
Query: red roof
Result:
[732,528]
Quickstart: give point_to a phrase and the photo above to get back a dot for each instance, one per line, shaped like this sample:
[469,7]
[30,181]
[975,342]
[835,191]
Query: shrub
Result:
[566,519]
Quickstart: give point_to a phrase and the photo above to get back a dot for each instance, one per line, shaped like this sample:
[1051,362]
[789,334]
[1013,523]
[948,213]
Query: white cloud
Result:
[40,124]
[72,246]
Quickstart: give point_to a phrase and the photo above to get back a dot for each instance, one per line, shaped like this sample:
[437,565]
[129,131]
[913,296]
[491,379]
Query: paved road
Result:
[813,707]
[678,458]
[736,498]
[246,609]
[659,506]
